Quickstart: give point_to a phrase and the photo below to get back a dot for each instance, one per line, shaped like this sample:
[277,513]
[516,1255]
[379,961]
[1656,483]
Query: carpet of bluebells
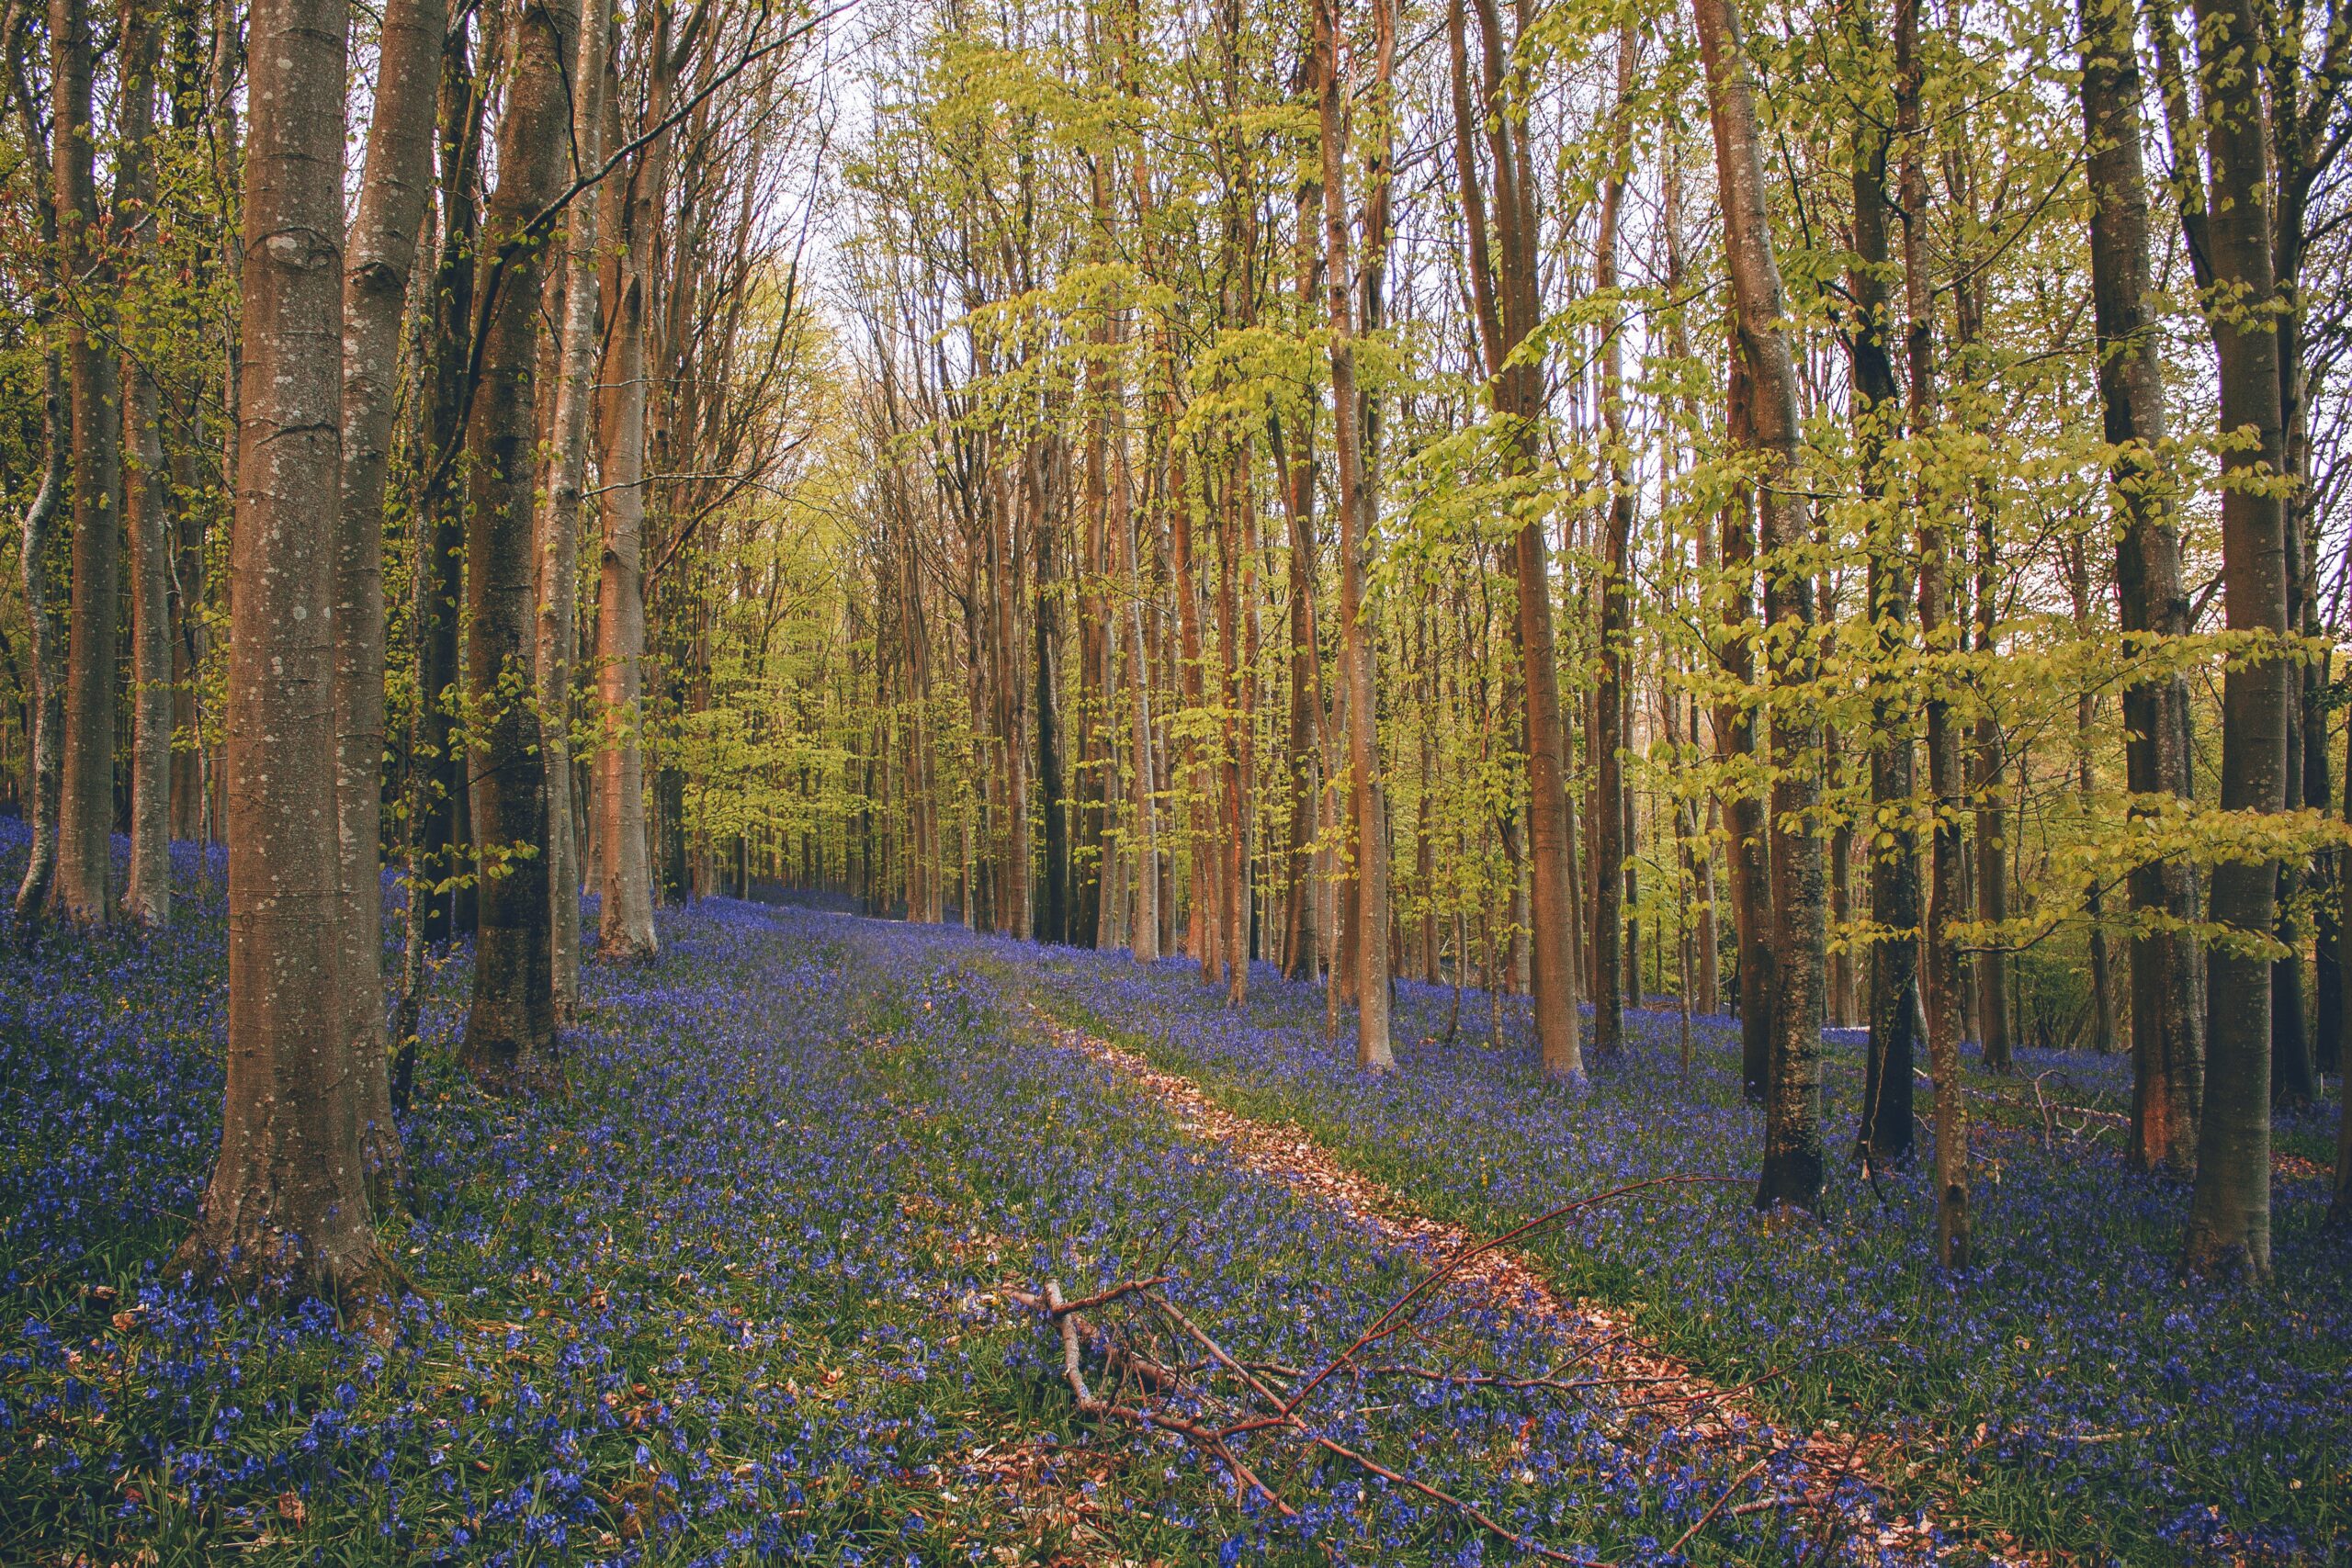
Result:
[2072,1389]
[737,1293]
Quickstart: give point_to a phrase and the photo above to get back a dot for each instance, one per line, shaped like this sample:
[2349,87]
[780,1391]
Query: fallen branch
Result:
[1468,1510]
[1742,1479]
[1066,1314]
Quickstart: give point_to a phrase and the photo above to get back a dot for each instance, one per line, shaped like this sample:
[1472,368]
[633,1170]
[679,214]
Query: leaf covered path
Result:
[1831,1474]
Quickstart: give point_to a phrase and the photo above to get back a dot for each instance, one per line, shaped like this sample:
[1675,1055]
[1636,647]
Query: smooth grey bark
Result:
[1508,311]
[1888,1121]
[559,632]
[1939,996]
[45,674]
[625,929]
[46,694]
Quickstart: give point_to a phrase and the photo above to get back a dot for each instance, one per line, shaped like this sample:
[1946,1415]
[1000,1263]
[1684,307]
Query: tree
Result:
[394,188]
[86,809]
[45,678]
[1358,513]
[287,1207]
[2229,1217]
[1888,1123]
[2167,1053]
[560,542]
[146,486]
[624,923]
[1941,993]
[1508,309]
[510,1029]
[1792,1149]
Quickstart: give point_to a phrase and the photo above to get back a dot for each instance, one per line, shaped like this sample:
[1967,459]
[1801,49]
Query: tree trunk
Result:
[393,192]
[558,629]
[1358,509]
[1509,311]
[2079,587]
[441,809]
[1613,845]
[1144,936]
[1888,1121]
[1301,929]
[1749,849]
[147,895]
[45,695]
[1793,1147]
[2293,1084]
[286,1206]
[85,807]
[624,921]
[2166,1048]
[510,1031]
[1992,840]
[2229,1218]
[45,674]
[1053,914]
[1942,992]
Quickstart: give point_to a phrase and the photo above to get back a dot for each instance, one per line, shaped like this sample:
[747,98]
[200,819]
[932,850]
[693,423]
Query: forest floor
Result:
[754,1287]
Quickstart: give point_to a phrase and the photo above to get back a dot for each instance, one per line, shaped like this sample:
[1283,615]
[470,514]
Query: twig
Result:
[1066,1314]
[1465,1254]
[1105,1298]
[1715,1508]
[1468,1511]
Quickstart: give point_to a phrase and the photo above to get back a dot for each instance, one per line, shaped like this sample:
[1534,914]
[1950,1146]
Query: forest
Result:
[1110,782]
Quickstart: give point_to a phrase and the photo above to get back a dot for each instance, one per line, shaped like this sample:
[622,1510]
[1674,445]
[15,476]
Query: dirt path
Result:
[1839,1472]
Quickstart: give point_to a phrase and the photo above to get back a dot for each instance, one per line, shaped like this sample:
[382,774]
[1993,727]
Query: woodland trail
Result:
[1847,1481]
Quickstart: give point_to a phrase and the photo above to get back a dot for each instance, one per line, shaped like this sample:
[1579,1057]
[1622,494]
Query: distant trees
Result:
[1895,550]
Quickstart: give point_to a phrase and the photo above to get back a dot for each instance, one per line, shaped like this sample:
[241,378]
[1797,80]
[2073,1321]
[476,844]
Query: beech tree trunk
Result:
[394,194]
[45,673]
[1992,843]
[1946,895]
[624,920]
[287,1207]
[2078,589]
[1231,838]
[558,629]
[147,894]
[1508,309]
[46,695]
[2229,1217]
[1143,810]
[86,806]
[1748,850]
[510,1030]
[1358,510]
[2167,1050]
[1888,1123]
[1614,963]
[1793,1144]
